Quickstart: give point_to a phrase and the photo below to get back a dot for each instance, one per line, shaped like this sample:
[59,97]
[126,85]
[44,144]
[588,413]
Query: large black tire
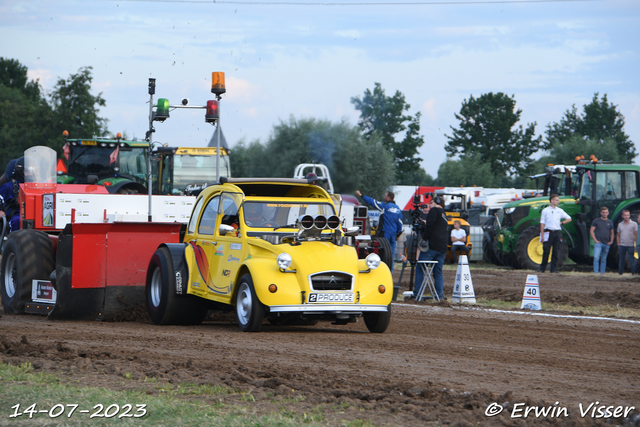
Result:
[489,250]
[529,250]
[249,310]
[384,250]
[377,321]
[27,255]
[164,305]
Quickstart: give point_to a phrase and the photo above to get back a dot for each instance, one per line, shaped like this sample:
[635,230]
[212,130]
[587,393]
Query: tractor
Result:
[593,184]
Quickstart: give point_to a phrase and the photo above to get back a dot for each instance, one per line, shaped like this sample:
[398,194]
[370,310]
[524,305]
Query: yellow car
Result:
[271,248]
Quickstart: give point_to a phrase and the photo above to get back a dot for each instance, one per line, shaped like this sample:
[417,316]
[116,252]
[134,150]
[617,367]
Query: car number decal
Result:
[331,297]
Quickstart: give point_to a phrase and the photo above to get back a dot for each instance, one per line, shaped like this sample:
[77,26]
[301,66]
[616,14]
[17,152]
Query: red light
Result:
[213,112]
[107,183]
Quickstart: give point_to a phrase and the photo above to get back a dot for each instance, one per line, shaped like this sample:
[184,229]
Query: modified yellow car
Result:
[274,249]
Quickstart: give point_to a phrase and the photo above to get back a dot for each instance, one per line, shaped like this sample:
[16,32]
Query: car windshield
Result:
[274,214]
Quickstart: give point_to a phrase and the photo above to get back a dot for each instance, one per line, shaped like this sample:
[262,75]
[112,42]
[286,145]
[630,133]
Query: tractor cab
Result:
[118,165]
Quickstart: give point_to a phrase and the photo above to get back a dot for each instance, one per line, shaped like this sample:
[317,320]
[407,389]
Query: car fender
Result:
[265,272]
[180,267]
[368,284]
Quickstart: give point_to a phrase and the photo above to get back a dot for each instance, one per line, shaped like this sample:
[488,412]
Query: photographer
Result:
[420,224]
[435,232]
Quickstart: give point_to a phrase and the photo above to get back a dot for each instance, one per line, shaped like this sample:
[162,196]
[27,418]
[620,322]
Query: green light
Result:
[162,110]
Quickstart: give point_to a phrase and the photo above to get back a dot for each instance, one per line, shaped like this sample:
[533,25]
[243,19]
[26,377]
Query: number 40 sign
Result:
[531,296]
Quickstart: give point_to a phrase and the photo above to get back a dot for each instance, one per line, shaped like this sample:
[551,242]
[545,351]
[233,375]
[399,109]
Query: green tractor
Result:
[586,187]
[119,165]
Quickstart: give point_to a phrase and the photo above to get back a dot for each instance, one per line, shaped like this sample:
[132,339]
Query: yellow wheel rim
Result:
[534,250]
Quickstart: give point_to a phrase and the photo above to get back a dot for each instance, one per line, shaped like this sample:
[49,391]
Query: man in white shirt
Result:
[458,240]
[551,222]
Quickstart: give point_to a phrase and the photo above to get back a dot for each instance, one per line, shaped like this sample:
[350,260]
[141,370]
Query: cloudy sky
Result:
[309,58]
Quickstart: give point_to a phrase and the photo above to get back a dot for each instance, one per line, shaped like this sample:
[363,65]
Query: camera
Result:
[185,101]
[416,224]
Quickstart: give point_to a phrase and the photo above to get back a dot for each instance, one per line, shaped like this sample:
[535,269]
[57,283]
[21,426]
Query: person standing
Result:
[626,239]
[391,221]
[435,233]
[602,236]
[551,222]
[637,270]
[423,248]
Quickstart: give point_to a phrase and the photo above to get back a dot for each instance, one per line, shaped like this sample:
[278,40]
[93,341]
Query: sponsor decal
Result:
[232,258]
[235,246]
[178,282]
[220,250]
[330,297]
[201,261]
[226,273]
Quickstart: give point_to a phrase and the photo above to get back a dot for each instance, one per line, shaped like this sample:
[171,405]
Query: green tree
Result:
[247,160]
[576,145]
[384,116]
[335,145]
[486,132]
[599,122]
[14,75]
[76,109]
[25,117]
[467,171]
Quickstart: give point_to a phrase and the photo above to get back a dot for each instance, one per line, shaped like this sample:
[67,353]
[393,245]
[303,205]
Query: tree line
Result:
[487,148]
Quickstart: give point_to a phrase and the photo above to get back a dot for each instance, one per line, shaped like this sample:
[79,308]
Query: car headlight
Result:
[373,261]
[509,210]
[284,260]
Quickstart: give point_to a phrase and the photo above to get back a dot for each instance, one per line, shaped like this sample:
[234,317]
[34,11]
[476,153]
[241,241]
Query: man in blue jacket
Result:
[391,221]
[9,194]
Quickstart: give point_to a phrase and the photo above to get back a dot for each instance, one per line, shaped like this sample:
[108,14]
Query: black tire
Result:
[489,250]
[529,250]
[27,255]
[377,321]
[164,305]
[384,250]
[249,310]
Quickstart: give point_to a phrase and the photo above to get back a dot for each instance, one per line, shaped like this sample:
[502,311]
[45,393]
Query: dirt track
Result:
[436,364]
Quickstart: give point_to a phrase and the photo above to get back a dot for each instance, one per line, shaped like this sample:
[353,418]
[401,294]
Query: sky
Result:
[307,59]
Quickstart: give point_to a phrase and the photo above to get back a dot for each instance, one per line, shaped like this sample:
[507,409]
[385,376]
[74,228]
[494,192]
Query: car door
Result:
[229,245]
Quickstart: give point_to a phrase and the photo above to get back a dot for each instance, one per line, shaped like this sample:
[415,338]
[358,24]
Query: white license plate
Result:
[331,297]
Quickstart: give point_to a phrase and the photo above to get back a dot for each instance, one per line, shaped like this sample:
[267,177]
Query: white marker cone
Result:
[531,296]
[463,290]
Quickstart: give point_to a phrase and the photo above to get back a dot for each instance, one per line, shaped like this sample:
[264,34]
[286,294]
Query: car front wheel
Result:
[249,309]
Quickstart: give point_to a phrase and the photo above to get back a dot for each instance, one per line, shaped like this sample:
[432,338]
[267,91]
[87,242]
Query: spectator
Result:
[602,236]
[637,270]
[458,241]
[626,239]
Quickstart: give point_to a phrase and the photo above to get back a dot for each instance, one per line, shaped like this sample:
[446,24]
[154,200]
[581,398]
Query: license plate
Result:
[331,297]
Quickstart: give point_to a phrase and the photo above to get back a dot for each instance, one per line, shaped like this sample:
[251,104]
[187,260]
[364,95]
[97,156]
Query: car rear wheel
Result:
[377,321]
[249,310]
[164,305]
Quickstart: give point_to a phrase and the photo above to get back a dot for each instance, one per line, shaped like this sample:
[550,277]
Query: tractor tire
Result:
[164,305]
[489,250]
[249,310]
[377,321]
[27,255]
[384,250]
[529,250]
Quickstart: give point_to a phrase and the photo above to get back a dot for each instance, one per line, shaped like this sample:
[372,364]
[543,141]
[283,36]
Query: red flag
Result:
[114,156]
